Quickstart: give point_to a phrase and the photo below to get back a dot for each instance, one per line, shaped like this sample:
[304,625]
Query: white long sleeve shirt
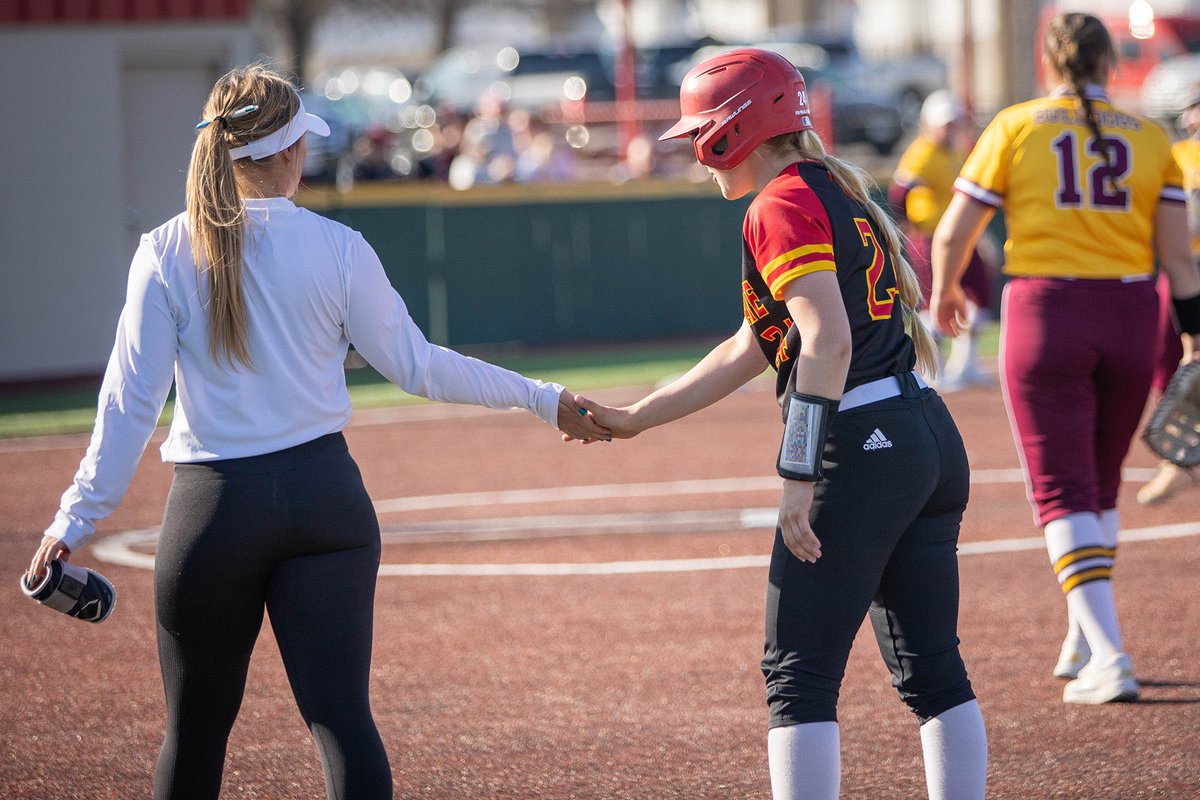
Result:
[312,287]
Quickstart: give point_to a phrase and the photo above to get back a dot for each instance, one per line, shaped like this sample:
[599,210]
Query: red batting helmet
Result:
[734,102]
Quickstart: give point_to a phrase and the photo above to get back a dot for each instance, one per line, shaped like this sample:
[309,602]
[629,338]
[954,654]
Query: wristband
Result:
[1187,311]
[75,591]
[804,436]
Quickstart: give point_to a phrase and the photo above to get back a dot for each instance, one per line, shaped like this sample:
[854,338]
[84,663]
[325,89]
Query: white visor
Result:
[281,139]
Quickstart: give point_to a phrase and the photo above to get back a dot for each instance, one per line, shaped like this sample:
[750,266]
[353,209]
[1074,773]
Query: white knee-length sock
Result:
[1076,543]
[805,760]
[954,744]
[1074,640]
[1110,525]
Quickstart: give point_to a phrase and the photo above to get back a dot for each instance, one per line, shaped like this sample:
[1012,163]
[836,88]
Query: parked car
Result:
[909,79]
[861,113]
[658,67]
[523,78]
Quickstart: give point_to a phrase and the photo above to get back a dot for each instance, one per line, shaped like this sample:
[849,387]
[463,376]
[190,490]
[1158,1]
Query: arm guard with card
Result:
[806,427]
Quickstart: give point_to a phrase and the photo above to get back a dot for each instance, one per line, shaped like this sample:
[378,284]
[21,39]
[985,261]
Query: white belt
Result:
[875,391]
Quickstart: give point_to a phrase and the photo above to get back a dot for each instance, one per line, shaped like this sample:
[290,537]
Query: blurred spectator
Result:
[641,162]
[487,154]
[372,155]
[541,155]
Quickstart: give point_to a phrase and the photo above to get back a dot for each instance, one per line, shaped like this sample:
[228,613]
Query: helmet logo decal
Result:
[739,110]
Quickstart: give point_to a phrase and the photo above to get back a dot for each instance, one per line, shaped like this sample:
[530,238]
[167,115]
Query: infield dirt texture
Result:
[630,682]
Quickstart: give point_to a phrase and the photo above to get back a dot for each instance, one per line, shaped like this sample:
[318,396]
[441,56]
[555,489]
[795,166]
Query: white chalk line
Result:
[709,486]
[128,548]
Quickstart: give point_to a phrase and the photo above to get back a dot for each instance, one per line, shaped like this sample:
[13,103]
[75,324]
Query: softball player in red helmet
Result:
[1091,194]
[874,472]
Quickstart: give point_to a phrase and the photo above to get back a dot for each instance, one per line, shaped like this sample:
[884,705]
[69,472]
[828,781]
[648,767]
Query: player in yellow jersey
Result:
[919,193]
[1091,196]
[1172,479]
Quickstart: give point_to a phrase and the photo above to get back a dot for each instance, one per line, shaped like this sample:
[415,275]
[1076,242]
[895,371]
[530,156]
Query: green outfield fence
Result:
[553,264]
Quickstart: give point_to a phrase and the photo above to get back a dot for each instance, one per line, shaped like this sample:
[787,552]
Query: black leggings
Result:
[296,533]
[887,515]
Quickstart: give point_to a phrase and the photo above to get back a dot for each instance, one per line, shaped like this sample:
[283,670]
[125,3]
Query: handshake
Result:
[585,421]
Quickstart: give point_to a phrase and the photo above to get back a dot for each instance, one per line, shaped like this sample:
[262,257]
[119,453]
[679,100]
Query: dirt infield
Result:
[631,673]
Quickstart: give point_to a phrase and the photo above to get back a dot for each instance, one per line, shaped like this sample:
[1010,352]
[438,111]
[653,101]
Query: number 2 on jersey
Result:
[1101,183]
[877,307]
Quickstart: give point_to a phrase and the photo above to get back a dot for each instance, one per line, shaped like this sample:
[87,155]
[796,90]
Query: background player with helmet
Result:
[1090,194]
[919,193]
[1171,478]
[875,473]
[249,304]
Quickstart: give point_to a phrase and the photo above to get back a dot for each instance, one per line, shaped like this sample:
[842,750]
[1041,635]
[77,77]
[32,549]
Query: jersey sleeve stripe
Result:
[799,252]
[977,192]
[1173,194]
[783,278]
[777,268]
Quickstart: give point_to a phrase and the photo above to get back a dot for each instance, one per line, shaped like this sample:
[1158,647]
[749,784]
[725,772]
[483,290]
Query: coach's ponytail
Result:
[215,208]
[856,182]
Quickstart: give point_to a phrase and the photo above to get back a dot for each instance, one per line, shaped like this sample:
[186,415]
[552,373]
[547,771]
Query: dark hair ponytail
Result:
[1080,48]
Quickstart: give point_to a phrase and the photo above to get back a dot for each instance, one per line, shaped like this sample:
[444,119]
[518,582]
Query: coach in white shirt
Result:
[249,304]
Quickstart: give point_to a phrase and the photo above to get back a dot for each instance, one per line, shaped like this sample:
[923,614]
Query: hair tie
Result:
[241,112]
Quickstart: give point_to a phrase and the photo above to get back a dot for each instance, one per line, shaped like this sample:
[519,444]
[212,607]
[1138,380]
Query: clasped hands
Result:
[585,421]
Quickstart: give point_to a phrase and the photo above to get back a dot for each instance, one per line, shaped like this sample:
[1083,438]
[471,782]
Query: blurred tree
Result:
[293,21]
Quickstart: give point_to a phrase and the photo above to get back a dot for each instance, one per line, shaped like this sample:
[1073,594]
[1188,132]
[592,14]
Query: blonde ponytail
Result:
[215,208]
[856,182]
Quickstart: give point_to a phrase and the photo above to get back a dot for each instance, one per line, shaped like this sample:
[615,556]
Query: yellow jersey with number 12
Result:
[1068,212]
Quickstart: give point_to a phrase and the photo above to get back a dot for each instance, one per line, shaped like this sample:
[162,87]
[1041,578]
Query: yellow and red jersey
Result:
[1070,213]
[926,175]
[802,222]
[1187,154]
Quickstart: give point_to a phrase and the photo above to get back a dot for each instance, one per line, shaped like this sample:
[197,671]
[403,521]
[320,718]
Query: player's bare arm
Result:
[815,304]
[953,242]
[1173,248]
[727,367]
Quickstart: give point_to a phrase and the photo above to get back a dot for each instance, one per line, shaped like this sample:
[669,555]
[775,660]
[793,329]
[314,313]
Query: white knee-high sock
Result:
[1110,525]
[1074,640]
[1092,603]
[954,744]
[806,762]
[1083,563]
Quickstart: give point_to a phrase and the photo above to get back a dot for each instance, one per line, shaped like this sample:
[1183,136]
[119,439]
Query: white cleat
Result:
[1107,680]
[1071,659]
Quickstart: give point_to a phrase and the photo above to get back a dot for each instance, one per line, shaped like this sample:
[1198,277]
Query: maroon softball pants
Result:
[1076,361]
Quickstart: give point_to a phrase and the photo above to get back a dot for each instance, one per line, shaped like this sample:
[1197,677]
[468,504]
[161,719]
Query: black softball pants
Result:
[293,532]
[888,520]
